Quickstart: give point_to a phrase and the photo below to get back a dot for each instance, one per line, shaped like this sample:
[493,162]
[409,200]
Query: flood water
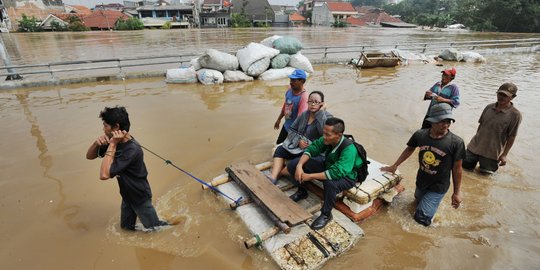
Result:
[55,213]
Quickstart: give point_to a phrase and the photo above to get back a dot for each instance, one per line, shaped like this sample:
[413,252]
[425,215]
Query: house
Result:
[60,18]
[112,6]
[295,19]
[215,13]
[103,19]
[356,21]
[158,15]
[136,4]
[375,16]
[39,9]
[78,9]
[326,13]
[257,11]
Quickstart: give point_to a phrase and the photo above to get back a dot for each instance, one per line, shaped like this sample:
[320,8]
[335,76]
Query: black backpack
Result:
[362,172]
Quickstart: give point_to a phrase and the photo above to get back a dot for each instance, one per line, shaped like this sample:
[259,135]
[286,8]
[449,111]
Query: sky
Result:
[93,3]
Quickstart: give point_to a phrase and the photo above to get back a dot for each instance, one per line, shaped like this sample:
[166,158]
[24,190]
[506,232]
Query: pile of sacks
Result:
[467,56]
[273,58]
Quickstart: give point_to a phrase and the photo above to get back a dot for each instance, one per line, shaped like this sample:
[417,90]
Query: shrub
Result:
[29,24]
[129,24]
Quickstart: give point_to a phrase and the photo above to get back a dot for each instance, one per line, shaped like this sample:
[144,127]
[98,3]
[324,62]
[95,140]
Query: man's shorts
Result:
[487,165]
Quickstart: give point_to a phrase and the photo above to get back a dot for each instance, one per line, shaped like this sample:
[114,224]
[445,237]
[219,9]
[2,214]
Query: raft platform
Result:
[280,226]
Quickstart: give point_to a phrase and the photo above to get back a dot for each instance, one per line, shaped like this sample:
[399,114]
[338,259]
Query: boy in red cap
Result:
[442,92]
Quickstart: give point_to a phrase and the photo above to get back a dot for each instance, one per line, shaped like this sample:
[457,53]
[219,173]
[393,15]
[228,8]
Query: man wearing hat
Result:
[496,132]
[442,92]
[440,155]
[295,103]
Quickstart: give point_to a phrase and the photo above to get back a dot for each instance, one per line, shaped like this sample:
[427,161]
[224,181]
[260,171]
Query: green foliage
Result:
[166,25]
[373,3]
[58,27]
[239,20]
[339,24]
[479,15]
[131,23]
[76,24]
[29,24]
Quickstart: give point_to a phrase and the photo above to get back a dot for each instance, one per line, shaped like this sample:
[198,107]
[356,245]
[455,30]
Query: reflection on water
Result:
[205,128]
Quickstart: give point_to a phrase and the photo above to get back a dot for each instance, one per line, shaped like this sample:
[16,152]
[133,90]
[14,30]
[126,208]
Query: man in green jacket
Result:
[336,169]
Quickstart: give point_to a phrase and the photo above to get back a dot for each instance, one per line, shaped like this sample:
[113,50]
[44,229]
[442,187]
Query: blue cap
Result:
[298,74]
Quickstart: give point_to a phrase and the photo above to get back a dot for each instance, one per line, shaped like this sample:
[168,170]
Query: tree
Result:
[29,24]
[76,24]
[131,23]
[58,27]
[479,15]
[239,20]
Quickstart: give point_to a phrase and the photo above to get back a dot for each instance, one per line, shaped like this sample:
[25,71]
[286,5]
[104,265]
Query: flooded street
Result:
[55,213]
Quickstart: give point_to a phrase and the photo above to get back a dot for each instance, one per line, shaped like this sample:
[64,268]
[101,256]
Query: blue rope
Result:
[237,201]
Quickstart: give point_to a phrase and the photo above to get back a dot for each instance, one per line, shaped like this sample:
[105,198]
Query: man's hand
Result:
[102,140]
[427,95]
[303,144]
[306,177]
[502,160]
[456,200]
[118,136]
[298,174]
[391,168]
[276,124]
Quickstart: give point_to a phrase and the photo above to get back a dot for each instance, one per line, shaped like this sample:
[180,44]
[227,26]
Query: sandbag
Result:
[269,41]
[473,57]
[195,63]
[274,74]
[451,55]
[214,59]
[209,76]
[181,75]
[301,62]
[254,52]
[236,76]
[280,61]
[258,67]
[289,45]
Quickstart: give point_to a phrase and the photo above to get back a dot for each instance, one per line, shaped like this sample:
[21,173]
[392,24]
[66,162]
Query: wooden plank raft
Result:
[278,205]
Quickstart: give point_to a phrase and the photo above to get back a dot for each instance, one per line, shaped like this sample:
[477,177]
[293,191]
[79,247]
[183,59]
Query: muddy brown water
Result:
[55,213]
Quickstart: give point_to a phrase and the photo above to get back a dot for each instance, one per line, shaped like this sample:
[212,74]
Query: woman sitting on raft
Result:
[306,128]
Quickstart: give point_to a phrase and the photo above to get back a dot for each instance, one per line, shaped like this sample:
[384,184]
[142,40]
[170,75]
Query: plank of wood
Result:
[269,195]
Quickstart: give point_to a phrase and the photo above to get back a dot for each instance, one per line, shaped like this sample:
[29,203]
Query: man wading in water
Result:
[123,158]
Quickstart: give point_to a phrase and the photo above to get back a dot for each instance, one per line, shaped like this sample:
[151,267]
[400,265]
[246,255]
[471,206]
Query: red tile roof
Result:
[296,17]
[356,21]
[81,9]
[65,16]
[340,7]
[103,19]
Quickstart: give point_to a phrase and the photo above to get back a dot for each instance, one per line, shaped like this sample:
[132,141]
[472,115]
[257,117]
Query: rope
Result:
[168,162]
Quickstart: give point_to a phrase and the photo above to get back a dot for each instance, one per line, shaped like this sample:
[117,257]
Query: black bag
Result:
[362,172]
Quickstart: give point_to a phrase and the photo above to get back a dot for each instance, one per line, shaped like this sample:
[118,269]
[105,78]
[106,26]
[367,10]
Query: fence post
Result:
[325,52]
[121,72]
[51,71]
[425,46]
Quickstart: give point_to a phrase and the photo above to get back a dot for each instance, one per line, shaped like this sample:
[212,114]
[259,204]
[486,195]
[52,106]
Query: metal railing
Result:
[324,53]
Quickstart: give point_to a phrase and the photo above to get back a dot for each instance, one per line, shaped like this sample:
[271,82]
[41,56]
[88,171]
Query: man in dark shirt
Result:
[440,155]
[123,158]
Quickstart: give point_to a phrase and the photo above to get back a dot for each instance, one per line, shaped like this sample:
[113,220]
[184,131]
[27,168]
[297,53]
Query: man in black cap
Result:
[496,132]
[440,155]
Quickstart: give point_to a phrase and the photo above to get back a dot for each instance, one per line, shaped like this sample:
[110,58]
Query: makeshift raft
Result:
[281,226]
[376,59]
